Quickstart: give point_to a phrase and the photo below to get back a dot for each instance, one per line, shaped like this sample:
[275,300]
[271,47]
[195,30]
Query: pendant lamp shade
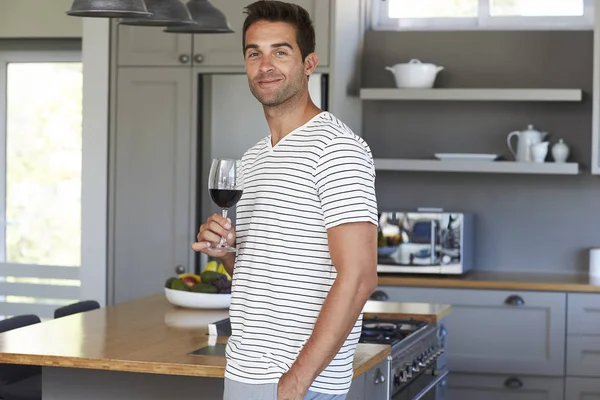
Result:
[207,19]
[164,13]
[109,8]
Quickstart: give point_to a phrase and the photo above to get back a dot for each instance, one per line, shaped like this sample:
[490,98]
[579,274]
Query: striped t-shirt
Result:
[318,176]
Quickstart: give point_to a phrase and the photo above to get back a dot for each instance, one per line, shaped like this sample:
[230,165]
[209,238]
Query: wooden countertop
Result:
[499,280]
[148,335]
[419,311]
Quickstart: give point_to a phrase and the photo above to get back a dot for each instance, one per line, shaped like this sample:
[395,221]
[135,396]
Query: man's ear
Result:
[310,63]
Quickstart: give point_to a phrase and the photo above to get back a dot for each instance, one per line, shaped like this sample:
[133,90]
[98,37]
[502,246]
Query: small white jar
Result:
[560,152]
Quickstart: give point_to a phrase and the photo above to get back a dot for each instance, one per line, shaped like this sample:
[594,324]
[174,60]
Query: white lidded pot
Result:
[415,74]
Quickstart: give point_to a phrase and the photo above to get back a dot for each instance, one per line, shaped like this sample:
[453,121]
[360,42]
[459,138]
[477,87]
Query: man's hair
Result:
[279,11]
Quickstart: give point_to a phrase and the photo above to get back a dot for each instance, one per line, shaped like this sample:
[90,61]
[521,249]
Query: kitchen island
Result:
[138,349]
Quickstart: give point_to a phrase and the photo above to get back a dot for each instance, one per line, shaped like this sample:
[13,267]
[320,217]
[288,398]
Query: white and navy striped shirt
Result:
[319,176]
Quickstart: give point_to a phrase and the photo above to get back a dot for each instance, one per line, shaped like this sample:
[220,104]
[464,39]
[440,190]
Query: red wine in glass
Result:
[225,190]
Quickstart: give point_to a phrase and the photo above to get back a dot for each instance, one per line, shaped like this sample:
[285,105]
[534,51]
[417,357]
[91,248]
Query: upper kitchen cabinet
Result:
[225,50]
[151,46]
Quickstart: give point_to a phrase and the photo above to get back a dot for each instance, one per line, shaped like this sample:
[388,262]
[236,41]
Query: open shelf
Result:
[499,167]
[472,94]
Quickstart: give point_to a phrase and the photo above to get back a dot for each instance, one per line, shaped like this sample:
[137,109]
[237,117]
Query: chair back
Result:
[75,308]
[10,373]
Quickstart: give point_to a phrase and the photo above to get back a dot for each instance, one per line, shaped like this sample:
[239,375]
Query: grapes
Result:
[222,284]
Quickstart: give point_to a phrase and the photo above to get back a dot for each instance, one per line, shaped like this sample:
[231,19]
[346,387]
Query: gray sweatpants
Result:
[243,391]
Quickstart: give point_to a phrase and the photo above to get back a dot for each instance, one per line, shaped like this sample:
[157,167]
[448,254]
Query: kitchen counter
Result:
[147,335]
[549,282]
[419,311]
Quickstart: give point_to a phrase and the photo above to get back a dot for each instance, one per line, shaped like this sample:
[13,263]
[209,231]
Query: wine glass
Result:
[225,190]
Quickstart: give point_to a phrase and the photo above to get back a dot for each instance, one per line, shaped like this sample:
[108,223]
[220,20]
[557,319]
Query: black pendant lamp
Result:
[164,13]
[207,19]
[109,8]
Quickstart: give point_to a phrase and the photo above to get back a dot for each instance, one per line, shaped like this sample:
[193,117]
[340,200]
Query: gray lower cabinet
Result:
[583,355]
[503,387]
[584,314]
[372,385]
[583,335]
[497,331]
[152,154]
[582,389]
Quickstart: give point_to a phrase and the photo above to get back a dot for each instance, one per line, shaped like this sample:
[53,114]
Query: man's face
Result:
[274,63]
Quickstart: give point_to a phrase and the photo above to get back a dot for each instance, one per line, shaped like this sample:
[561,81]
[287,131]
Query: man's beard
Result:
[283,93]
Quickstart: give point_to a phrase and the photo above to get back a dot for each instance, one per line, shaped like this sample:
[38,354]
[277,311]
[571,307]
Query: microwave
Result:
[422,242]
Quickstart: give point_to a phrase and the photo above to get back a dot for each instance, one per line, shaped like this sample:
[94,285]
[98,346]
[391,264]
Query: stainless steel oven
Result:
[425,242]
[428,385]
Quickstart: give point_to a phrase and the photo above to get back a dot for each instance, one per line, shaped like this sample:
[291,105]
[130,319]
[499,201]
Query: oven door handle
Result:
[431,384]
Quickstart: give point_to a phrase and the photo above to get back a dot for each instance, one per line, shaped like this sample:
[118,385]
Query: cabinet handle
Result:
[184,59]
[180,269]
[379,295]
[198,58]
[513,383]
[379,377]
[514,300]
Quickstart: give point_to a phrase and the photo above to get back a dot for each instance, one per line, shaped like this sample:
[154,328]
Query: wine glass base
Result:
[224,249]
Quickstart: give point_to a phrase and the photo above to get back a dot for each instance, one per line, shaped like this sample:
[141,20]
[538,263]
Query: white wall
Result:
[38,19]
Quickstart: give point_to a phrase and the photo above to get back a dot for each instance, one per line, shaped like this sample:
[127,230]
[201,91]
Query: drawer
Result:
[583,355]
[584,314]
[498,331]
[582,389]
[503,387]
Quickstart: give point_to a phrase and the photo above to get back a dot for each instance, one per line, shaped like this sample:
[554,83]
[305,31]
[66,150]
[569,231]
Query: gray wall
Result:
[524,222]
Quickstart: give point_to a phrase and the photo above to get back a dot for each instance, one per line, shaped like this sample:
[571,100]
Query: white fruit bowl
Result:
[198,300]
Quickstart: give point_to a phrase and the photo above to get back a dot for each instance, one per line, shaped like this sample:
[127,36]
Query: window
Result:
[40,180]
[482,14]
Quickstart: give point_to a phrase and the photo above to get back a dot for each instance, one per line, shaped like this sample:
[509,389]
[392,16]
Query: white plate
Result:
[198,300]
[467,156]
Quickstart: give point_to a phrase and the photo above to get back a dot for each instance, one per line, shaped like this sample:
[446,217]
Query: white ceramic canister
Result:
[560,152]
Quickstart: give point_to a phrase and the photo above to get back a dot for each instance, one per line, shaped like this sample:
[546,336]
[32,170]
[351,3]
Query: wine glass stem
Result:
[223,240]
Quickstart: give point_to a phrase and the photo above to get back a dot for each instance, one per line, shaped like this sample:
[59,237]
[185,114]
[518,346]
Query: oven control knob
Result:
[415,366]
[404,377]
[408,372]
[397,379]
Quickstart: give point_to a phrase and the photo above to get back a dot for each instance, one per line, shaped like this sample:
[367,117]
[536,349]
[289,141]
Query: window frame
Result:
[45,51]
[484,21]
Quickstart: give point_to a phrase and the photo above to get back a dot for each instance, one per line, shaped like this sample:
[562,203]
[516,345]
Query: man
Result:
[306,228]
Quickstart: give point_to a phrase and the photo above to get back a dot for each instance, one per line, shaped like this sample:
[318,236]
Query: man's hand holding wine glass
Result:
[216,237]
[209,236]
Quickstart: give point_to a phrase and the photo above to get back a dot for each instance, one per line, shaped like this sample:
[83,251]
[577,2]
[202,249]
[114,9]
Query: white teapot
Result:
[526,139]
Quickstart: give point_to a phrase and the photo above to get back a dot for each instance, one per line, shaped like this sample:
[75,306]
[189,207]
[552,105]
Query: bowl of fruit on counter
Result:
[209,290]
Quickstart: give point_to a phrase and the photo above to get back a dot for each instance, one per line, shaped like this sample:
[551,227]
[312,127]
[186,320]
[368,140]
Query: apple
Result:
[190,281]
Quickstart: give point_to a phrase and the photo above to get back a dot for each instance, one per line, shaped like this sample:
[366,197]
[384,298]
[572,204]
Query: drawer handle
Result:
[514,300]
[379,295]
[513,383]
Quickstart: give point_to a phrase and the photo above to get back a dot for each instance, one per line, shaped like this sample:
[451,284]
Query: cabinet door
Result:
[584,314]
[582,389]
[583,355]
[152,188]
[489,335]
[150,46]
[357,390]
[503,387]
[226,49]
